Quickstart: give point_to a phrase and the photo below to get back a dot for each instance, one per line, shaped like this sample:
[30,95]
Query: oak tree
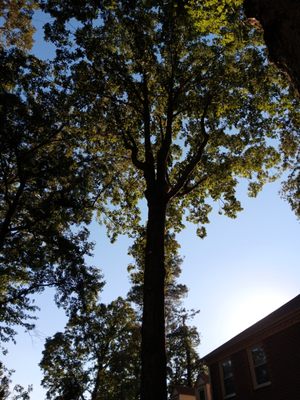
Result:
[181,114]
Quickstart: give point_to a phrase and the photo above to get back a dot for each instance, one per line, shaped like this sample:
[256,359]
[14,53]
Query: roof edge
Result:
[286,315]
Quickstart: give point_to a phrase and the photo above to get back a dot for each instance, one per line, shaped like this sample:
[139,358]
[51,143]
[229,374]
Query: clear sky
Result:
[243,270]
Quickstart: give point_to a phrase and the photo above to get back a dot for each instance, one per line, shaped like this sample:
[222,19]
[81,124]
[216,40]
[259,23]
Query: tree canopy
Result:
[96,357]
[17,29]
[183,112]
[165,103]
[47,185]
[46,193]
[231,87]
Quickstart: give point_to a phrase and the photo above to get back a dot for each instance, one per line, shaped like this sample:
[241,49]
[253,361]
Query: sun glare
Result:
[252,307]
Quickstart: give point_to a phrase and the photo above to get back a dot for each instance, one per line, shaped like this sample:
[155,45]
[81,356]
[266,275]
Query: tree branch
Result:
[147,130]
[125,77]
[130,144]
[102,190]
[50,140]
[163,152]
[20,294]
[191,80]
[182,180]
[186,189]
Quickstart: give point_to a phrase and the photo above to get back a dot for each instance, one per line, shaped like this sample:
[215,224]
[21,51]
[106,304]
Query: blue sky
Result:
[243,270]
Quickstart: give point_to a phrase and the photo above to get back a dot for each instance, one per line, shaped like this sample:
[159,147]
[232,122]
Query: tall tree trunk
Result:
[153,380]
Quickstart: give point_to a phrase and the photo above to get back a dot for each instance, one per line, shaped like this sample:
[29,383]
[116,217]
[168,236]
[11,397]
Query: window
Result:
[228,379]
[259,367]
[202,393]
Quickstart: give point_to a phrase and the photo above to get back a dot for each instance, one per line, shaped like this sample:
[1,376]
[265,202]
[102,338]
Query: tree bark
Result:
[153,379]
[280,20]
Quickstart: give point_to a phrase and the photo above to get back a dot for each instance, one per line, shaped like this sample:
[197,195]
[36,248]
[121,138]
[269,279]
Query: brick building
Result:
[261,363]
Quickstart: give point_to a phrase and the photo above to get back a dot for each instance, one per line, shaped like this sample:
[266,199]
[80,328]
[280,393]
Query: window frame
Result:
[221,363]
[253,367]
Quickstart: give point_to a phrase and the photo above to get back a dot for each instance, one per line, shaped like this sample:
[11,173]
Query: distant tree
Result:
[17,392]
[96,357]
[4,383]
[181,114]
[182,341]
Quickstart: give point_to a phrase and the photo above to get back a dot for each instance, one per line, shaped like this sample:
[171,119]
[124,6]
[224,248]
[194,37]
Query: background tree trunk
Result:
[280,20]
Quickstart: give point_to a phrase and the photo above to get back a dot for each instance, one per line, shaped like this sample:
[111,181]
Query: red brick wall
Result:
[283,354]
[215,381]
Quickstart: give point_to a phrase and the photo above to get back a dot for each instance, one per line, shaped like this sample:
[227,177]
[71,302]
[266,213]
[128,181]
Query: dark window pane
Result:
[262,375]
[227,369]
[229,386]
[202,394]
[228,377]
[259,356]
